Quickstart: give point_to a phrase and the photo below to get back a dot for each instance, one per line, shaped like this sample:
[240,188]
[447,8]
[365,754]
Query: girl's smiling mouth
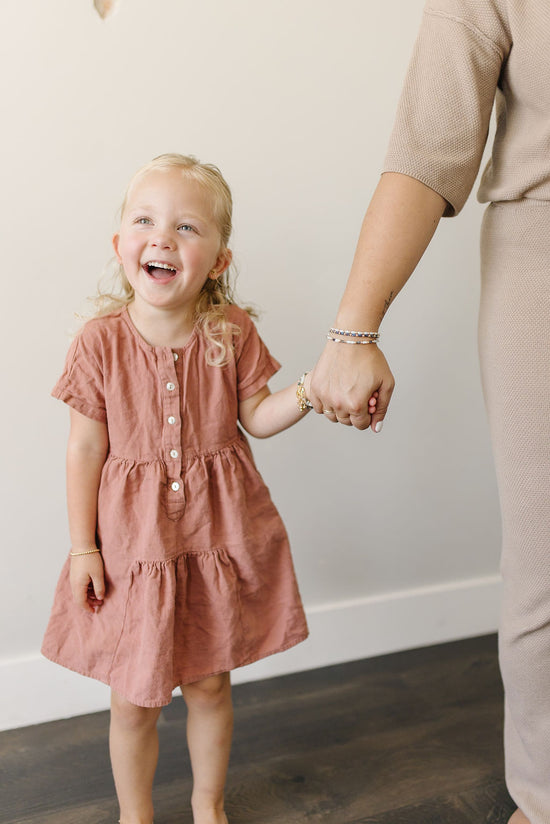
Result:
[159,271]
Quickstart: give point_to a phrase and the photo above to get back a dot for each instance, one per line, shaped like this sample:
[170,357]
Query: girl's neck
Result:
[160,327]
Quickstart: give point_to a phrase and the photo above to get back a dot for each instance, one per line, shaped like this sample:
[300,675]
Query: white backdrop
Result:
[396,536]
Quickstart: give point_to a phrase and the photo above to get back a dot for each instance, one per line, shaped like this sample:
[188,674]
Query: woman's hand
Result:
[87,578]
[352,385]
[400,221]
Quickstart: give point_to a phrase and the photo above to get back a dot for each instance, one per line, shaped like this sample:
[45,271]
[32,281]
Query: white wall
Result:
[395,536]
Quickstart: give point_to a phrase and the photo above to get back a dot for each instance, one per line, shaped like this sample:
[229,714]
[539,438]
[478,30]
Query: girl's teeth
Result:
[155,265]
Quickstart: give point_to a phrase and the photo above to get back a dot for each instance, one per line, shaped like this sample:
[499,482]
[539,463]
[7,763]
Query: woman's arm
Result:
[86,452]
[398,226]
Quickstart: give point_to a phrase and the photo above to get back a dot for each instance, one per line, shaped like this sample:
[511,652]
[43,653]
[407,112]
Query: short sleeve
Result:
[444,113]
[255,364]
[81,383]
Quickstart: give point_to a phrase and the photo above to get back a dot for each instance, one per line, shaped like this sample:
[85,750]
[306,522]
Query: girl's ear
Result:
[222,263]
[116,239]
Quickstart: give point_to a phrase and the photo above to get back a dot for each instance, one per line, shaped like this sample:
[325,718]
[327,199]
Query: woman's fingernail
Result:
[378,426]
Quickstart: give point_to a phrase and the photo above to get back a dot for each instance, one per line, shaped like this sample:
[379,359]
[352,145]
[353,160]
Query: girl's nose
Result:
[163,239]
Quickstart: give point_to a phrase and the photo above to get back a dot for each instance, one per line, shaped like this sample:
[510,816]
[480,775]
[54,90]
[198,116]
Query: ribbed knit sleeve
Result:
[445,108]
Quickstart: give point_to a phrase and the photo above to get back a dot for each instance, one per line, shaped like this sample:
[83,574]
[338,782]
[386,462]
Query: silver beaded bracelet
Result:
[342,340]
[349,333]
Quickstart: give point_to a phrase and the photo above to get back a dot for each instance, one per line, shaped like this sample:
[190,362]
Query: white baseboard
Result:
[35,690]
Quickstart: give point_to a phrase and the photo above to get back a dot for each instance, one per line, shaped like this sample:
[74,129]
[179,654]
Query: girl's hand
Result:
[87,579]
[352,385]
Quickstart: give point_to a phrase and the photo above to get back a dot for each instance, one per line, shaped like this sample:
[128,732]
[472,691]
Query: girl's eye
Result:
[143,221]
[185,227]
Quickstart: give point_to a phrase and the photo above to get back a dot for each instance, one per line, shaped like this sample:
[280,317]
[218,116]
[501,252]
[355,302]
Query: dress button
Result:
[170,386]
[171,419]
[174,453]
[176,356]
[175,486]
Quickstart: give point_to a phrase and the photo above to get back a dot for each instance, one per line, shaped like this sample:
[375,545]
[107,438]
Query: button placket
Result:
[172,434]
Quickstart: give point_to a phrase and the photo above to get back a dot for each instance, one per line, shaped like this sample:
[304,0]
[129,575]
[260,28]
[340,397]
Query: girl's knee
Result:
[210,692]
[130,715]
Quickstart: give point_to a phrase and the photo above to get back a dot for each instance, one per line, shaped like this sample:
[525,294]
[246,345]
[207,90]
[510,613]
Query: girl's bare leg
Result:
[134,754]
[519,818]
[209,732]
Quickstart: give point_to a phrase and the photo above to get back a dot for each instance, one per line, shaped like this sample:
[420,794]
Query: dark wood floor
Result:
[410,738]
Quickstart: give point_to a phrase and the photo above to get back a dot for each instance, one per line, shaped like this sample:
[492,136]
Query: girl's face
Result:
[169,242]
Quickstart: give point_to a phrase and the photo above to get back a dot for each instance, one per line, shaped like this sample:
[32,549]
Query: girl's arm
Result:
[398,226]
[86,452]
[265,414]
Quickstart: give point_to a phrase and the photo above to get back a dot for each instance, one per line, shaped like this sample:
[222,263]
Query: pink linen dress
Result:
[198,568]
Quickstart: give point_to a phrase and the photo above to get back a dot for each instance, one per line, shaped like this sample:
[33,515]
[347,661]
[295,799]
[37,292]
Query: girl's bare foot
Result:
[519,818]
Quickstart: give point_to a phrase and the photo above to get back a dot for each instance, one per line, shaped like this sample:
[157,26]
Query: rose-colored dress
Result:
[197,562]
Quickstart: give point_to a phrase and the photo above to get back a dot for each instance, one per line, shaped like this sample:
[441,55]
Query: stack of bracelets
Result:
[303,401]
[342,335]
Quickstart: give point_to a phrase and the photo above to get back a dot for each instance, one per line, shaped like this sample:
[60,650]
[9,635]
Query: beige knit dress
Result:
[468,52]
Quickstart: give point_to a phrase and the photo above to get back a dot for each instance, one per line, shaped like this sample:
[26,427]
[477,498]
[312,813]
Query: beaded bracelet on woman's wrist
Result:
[351,336]
[343,340]
[349,333]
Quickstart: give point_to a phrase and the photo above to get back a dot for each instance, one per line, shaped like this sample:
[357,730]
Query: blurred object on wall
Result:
[104,7]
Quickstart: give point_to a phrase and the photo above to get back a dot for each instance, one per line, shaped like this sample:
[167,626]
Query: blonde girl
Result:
[179,569]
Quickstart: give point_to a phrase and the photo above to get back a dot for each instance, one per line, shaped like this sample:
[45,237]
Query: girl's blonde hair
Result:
[215,294]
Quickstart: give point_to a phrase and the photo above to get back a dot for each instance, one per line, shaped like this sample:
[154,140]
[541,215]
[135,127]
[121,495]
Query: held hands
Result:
[352,385]
[87,579]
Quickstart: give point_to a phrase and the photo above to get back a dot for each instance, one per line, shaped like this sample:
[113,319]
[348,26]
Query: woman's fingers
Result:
[331,416]
[352,385]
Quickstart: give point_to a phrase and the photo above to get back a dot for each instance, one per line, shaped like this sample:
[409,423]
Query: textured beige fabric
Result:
[515,360]
[468,52]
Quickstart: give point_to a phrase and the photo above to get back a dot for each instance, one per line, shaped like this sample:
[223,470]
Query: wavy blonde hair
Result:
[210,316]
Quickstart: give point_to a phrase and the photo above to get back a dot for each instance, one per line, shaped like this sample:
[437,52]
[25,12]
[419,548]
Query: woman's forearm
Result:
[398,226]
[400,222]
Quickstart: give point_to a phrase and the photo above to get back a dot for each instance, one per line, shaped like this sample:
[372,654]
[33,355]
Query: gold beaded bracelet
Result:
[88,552]
[303,401]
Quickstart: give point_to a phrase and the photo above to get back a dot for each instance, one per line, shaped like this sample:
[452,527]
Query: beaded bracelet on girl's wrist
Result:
[87,552]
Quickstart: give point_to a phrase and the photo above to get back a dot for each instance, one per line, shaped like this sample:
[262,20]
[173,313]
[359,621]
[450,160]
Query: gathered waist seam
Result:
[188,455]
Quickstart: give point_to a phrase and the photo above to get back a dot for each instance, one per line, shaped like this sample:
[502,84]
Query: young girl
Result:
[179,568]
